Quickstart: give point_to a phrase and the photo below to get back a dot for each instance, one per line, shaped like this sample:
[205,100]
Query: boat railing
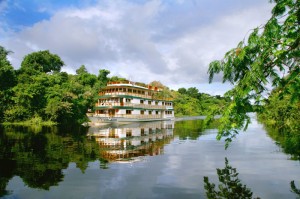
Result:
[146,95]
[131,116]
[132,105]
[127,93]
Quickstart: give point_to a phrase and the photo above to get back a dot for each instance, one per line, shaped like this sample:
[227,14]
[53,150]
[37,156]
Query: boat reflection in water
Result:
[129,142]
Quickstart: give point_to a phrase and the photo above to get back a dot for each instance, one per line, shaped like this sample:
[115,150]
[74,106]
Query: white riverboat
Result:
[131,102]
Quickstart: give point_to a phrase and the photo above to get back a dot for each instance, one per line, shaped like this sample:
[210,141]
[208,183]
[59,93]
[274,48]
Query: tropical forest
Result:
[50,149]
[40,93]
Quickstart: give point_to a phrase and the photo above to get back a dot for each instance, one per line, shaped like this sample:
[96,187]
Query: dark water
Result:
[141,160]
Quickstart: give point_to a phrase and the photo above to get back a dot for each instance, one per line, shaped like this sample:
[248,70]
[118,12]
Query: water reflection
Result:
[230,185]
[129,142]
[288,140]
[66,162]
[189,129]
[38,155]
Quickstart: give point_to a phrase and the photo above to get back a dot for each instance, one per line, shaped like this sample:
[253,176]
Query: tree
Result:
[41,61]
[102,77]
[193,92]
[157,84]
[182,91]
[7,81]
[269,56]
[84,77]
[81,70]
[7,73]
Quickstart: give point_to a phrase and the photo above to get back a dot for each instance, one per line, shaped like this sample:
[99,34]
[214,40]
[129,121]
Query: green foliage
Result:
[230,185]
[7,73]
[85,78]
[165,94]
[190,102]
[41,61]
[157,84]
[57,110]
[7,81]
[269,56]
[16,113]
[102,77]
[182,91]
[117,79]
[281,118]
[39,92]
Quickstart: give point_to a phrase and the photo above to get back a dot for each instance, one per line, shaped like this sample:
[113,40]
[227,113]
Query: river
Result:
[140,160]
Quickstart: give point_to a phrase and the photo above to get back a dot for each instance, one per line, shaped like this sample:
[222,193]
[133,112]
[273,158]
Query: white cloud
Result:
[197,49]
[143,42]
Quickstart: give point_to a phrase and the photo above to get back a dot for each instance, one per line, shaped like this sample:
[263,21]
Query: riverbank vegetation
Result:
[281,118]
[39,93]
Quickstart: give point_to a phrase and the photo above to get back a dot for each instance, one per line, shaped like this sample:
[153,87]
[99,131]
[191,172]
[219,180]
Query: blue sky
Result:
[172,41]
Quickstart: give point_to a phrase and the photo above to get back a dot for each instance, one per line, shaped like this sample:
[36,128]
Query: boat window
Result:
[128,100]
[149,102]
[156,112]
[150,112]
[142,101]
[156,102]
[169,126]
[150,131]
[142,131]
[128,132]
[128,112]
[142,112]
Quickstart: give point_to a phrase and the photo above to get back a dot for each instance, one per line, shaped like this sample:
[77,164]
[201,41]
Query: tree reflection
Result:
[230,185]
[6,168]
[39,157]
[287,138]
[190,129]
[295,189]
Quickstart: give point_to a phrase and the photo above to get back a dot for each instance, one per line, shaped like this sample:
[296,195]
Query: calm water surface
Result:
[141,160]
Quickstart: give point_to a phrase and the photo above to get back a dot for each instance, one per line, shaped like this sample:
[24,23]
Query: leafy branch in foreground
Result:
[270,57]
[230,187]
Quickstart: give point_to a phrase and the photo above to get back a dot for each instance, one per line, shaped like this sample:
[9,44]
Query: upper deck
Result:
[132,89]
